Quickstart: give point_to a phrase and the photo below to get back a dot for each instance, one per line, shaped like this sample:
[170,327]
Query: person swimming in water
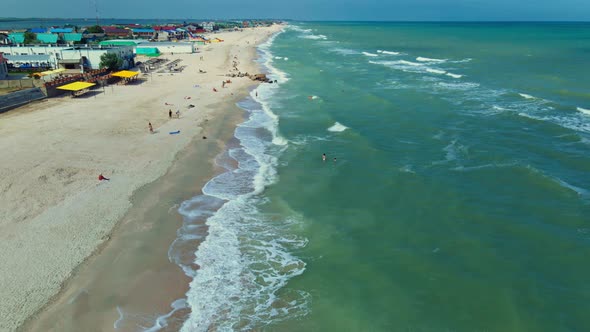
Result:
[324,157]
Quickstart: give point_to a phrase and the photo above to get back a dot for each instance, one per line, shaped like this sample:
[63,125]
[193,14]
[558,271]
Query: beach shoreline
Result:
[59,232]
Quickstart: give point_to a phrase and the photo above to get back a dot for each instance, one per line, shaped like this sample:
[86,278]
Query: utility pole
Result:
[96,10]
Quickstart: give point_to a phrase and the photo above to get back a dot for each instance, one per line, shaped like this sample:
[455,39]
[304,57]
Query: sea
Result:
[454,196]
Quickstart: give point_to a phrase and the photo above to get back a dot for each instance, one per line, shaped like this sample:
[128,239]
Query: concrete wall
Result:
[19,98]
[28,83]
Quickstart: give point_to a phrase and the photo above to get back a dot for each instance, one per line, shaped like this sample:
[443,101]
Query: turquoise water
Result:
[458,200]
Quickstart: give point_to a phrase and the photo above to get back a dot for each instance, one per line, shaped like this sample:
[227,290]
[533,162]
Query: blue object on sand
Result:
[174,132]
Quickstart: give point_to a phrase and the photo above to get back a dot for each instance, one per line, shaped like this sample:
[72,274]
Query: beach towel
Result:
[174,132]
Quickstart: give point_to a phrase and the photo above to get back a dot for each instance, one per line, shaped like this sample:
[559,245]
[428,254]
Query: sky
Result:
[347,10]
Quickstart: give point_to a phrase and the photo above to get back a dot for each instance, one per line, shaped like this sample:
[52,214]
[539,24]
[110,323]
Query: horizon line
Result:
[300,20]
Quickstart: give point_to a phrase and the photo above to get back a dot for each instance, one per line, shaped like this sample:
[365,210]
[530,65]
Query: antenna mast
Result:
[96,10]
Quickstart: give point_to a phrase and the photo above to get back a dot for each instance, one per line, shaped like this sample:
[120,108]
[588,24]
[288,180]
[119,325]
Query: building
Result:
[52,51]
[47,38]
[116,32]
[208,26]
[85,57]
[16,37]
[35,61]
[167,47]
[68,57]
[144,33]
[3,68]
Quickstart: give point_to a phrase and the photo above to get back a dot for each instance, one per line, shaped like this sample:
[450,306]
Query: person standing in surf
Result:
[323,157]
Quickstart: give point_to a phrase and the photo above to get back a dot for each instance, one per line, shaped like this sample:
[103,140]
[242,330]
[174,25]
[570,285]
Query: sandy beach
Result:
[55,213]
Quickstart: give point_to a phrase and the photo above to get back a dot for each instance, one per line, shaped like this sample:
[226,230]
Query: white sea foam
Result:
[423,59]
[370,54]
[245,259]
[458,86]
[571,122]
[337,127]
[285,58]
[278,57]
[435,71]
[344,51]
[391,53]
[454,75]
[525,96]
[583,110]
[314,37]
[409,63]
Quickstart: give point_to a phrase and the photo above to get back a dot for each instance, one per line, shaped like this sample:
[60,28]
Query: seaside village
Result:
[40,63]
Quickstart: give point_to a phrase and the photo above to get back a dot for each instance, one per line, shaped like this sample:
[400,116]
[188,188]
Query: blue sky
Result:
[466,10]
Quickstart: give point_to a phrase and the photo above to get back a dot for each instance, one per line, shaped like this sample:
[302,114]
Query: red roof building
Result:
[116,32]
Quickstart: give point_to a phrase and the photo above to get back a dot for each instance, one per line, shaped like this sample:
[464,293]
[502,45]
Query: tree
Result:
[95,29]
[110,61]
[30,38]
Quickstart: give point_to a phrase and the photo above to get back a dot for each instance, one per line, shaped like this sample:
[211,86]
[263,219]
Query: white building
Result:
[208,26]
[170,47]
[67,57]
[89,57]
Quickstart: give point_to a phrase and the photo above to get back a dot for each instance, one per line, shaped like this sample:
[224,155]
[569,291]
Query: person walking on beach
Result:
[178,114]
[324,157]
[102,178]
[170,113]
[151,128]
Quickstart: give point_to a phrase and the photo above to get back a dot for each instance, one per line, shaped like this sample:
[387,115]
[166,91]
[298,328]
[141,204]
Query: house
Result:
[208,26]
[3,67]
[111,32]
[47,38]
[61,30]
[72,38]
[143,33]
[4,38]
[16,37]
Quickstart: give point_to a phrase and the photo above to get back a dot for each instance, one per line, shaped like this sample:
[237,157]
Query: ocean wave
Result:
[525,96]
[388,52]
[575,123]
[578,190]
[583,110]
[423,59]
[245,259]
[458,86]
[454,75]
[338,127]
[344,51]
[370,54]
[314,37]
[436,71]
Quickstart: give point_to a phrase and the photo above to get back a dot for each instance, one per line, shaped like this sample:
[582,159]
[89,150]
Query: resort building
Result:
[144,33]
[78,58]
[116,32]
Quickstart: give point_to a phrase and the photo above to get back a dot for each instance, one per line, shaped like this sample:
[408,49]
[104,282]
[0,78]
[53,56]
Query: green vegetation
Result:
[110,61]
[30,38]
[95,29]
